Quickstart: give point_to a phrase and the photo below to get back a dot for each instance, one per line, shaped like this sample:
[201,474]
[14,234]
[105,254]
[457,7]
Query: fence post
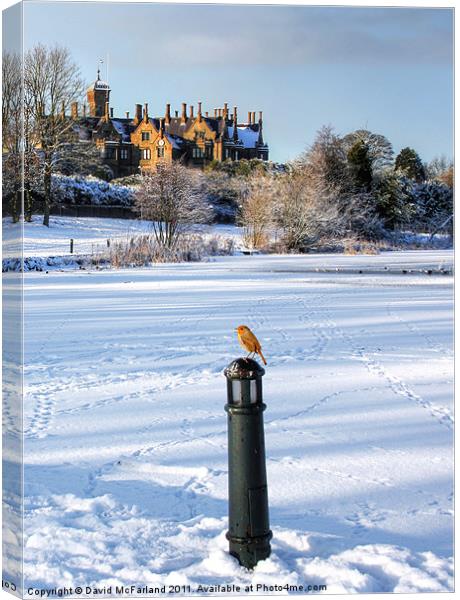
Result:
[249,530]
[71,246]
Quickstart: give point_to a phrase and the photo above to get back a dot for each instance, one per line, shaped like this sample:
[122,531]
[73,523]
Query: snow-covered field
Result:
[125,451]
[89,234]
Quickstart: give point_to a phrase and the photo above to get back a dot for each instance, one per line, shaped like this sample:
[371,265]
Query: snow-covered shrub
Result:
[90,190]
[143,250]
[432,205]
[404,204]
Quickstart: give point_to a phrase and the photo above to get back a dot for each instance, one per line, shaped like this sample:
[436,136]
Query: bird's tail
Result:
[262,356]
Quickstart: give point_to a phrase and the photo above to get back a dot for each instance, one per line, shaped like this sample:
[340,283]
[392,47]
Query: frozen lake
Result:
[125,451]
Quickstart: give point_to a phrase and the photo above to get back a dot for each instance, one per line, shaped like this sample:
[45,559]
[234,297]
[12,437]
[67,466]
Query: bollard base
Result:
[249,551]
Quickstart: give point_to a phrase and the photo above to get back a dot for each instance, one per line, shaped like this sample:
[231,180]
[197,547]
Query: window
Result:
[124,153]
[197,153]
[109,153]
[145,136]
[146,154]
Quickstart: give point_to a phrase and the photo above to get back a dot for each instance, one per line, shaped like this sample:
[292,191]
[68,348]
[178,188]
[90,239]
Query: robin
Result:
[249,342]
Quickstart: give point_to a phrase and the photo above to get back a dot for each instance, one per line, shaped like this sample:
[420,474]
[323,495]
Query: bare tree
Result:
[316,200]
[256,212]
[312,200]
[326,163]
[440,169]
[12,125]
[52,82]
[169,197]
[305,217]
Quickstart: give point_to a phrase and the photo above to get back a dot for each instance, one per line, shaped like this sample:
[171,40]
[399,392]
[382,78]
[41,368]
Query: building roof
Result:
[175,141]
[99,84]
[176,127]
[123,127]
[248,135]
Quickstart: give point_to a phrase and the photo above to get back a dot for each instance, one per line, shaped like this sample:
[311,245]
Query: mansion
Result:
[140,142]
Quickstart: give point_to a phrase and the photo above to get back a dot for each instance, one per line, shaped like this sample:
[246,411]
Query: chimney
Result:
[84,110]
[225,110]
[249,117]
[253,117]
[146,112]
[183,118]
[206,114]
[261,137]
[161,127]
[106,111]
[235,123]
[191,112]
[127,114]
[74,110]
[219,112]
[176,113]
[111,113]
[199,112]
[215,113]
[168,114]
[138,114]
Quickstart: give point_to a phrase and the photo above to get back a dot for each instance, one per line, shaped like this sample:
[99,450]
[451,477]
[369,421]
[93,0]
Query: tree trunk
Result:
[27,205]
[47,189]
[16,206]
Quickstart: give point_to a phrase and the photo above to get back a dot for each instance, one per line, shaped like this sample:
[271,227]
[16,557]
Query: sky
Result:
[389,70]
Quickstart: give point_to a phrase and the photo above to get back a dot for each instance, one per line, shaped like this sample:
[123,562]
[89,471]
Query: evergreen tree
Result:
[380,150]
[409,164]
[393,195]
[360,165]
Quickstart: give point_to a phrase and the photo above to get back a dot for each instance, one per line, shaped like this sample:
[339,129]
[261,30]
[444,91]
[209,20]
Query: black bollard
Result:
[71,246]
[249,530]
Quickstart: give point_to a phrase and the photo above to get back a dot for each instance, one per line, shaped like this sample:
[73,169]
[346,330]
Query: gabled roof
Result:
[176,127]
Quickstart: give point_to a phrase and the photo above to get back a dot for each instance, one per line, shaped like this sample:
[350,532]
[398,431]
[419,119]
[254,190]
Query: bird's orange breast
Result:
[249,341]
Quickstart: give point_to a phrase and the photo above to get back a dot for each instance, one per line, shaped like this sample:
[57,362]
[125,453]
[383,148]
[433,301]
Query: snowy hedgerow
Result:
[90,190]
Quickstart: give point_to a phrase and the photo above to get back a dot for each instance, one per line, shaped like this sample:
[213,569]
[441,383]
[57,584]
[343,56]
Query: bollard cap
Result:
[244,368]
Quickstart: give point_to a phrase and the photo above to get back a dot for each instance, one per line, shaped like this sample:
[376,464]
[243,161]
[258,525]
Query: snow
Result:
[47,248]
[89,234]
[90,190]
[176,142]
[125,428]
[248,136]
[122,128]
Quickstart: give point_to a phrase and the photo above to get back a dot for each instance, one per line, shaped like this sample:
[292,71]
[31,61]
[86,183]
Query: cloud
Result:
[172,36]
[175,36]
